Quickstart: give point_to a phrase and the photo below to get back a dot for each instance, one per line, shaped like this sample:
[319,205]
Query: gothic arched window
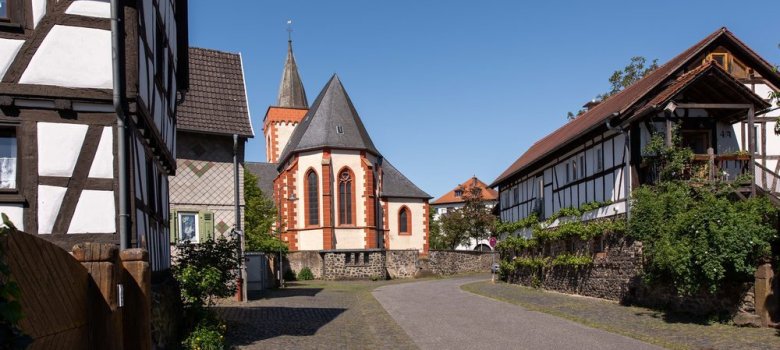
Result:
[404,221]
[346,197]
[312,199]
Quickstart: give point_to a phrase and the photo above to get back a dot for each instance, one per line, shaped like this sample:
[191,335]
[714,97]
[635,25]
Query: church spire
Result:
[291,92]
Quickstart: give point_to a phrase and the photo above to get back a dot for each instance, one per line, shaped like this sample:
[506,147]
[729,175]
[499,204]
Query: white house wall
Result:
[39,10]
[72,57]
[90,8]
[8,50]
[59,146]
[95,213]
[15,213]
[103,164]
[417,211]
[49,202]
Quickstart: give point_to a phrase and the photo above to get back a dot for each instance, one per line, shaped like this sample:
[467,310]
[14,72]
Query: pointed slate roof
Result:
[291,92]
[395,184]
[331,122]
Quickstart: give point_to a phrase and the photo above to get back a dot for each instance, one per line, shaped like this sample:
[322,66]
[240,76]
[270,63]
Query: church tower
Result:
[291,106]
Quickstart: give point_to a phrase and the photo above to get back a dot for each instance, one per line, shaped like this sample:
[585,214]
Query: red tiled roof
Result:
[488,193]
[216,102]
[623,101]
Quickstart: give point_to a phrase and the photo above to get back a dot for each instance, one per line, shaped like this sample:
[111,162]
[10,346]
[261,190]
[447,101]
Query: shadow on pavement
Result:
[247,325]
[283,293]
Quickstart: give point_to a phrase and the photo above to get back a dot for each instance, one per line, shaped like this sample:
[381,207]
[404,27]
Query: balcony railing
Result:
[708,167]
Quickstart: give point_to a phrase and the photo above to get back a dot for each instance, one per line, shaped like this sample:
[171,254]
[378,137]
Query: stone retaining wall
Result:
[383,264]
[451,262]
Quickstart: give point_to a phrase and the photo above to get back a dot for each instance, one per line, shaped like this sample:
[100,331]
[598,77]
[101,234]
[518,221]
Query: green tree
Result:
[472,221]
[435,237]
[259,217]
[621,79]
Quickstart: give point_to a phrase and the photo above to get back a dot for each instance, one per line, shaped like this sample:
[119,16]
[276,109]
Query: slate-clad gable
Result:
[216,102]
[332,122]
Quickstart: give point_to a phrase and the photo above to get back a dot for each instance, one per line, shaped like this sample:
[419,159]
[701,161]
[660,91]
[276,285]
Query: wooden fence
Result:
[72,300]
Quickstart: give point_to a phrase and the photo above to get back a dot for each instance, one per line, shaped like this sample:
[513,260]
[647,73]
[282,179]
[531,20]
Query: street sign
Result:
[492,242]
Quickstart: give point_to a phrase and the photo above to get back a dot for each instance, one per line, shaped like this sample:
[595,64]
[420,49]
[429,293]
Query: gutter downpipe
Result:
[236,193]
[627,171]
[118,65]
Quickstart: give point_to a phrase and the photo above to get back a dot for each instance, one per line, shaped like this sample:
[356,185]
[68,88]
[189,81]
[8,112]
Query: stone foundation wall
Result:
[451,262]
[402,263]
[296,261]
[383,264]
[362,264]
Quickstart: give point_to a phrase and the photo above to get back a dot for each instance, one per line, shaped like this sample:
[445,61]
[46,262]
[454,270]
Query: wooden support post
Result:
[711,162]
[668,132]
[763,292]
[137,313]
[752,149]
[105,316]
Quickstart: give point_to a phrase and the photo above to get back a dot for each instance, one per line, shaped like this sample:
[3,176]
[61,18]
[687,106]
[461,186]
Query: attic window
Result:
[730,64]
[339,129]
[458,193]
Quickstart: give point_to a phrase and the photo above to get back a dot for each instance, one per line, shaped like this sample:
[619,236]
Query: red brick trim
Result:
[327,201]
[369,202]
[408,221]
[386,223]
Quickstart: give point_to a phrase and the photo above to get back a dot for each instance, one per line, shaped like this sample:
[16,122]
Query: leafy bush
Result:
[572,260]
[697,237]
[289,275]
[207,336]
[305,274]
[207,270]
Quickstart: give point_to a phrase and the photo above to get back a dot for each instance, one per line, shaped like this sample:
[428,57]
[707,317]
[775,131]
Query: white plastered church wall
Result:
[310,239]
[417,211]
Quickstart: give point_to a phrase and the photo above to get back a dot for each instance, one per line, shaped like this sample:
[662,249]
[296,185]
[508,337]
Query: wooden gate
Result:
[55,289]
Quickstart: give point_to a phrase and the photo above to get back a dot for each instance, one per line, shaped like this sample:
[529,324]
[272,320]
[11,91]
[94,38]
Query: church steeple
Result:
[291,92]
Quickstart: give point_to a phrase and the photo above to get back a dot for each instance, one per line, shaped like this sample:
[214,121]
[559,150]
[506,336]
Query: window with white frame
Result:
[189,229]
[8,159]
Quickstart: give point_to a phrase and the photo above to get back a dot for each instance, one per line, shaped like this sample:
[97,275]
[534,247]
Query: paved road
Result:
[439,315]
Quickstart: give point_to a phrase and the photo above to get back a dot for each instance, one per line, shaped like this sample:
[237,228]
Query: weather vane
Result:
[289,30]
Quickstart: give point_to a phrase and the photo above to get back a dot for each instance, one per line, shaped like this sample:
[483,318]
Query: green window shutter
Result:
[206,225]
[174,222]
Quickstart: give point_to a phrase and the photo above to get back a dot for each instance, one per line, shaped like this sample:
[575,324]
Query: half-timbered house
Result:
[87,140]
[716,92]
[212,130]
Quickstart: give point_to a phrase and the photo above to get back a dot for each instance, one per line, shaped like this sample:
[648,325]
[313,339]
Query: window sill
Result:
[11,27]
[12,198]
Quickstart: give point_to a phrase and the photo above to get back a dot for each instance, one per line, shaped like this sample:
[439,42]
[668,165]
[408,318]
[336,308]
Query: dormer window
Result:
[340,129]
[729,63]
[458,193]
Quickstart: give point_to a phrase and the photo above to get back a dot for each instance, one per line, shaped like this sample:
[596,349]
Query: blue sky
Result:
[451,89]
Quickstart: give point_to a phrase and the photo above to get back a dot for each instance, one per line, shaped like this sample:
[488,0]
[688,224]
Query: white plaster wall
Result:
[350,238]
[49,202]
[59,145]
[103,164]
[351,159]
[72,57]
[417,239]
[95,213]
[90,8]
[39,10]
[15,213]
[307,160]
[8,50]
[310,239]
[283,133]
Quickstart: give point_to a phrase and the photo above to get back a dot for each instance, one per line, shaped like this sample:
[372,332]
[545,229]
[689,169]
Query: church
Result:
[334,189]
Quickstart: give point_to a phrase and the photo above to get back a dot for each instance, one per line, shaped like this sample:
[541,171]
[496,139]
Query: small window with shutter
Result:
[188,227]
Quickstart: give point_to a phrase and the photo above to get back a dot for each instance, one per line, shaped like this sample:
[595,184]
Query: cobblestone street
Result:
[315,315]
